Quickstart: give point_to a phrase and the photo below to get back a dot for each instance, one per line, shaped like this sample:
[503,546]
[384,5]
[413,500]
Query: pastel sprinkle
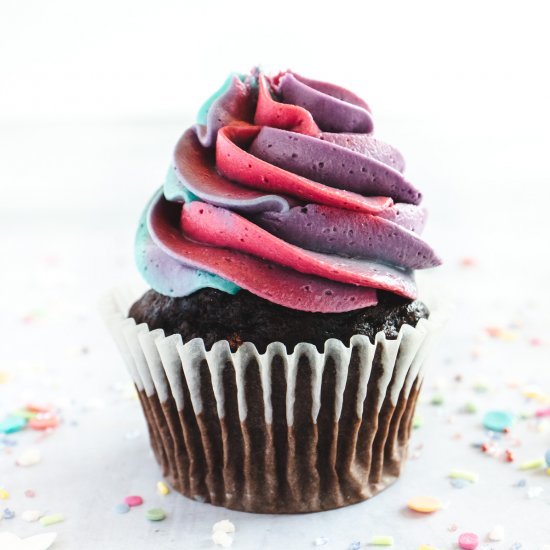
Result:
[222,539]
[162,488]
[320,541]
[12,424]
[31,515]
[382,540]
[547,457]
[29,458]
[534,492]
[133,500]
[355,545]
[497,421]
[155,514]
[37,409]
[426,547]
[121,508]
[424,504]
[464,474]
[532,464]
[459,483]
[437,400]
[29,493]
[224,525]
[418,421]
[470,408]
[43,422]
[496,533]
[543,412]
[8,513]
[4,495]
[51,519]
[468,541]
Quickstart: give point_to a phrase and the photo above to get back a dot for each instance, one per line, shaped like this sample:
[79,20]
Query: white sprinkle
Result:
[224,525]
[534,492]
[496,533]
[222,539]
[320,541]
[31,515]
[29,458]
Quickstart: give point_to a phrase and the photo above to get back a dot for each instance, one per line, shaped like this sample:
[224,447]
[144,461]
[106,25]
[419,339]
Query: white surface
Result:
[96,99]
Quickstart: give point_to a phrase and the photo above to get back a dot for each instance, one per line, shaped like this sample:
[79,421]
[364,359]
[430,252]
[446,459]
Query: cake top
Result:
[281,189]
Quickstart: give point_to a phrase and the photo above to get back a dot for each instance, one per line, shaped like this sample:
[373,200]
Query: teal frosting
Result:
[174,190]
[203,111]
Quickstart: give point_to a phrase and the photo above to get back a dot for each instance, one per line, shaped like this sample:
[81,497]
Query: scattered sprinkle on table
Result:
[12,424]
[496,533]
[155,514]
[121,508]
[4,495]
[464,474]
[133,500]
[381,540]
[532,464]
[497,421]
[468,541]
[31,515]
[426,547]
[162,488]
[424,504]
[547,457]
[51,519]
[29,493]
[222,539]
[29,458]
[355,545]
[8,513]
[43,422]
[320,541]
[224,525]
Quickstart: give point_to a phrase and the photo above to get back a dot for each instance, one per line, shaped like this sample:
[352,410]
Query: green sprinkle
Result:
[155,514]
[382,540]
[437,400]
[497,421]
[532,464]
[470,408]
[463,474]
[418,421]
[46,521]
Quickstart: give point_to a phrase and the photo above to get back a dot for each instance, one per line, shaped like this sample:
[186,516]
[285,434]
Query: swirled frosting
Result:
[281,189]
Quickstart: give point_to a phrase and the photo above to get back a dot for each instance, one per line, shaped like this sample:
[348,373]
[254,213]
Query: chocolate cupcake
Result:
[279,354]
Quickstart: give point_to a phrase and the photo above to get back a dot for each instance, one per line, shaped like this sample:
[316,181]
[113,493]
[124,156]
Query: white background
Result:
[93,96]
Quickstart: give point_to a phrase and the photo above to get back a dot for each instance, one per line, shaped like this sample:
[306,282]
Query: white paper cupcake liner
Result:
[276,432]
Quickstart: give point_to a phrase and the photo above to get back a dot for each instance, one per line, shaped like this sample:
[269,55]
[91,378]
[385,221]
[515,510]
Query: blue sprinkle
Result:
[547,457]
[8,513]
[355,545]
[516,546]
[521,483]
[459,483]
[122,508]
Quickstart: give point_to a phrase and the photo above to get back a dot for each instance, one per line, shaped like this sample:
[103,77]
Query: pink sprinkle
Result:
[133,500]
[468,541]
[29,493]
[535,342]
[543,412]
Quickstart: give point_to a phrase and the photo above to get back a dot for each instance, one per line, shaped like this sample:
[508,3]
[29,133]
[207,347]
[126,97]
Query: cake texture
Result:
[280,351]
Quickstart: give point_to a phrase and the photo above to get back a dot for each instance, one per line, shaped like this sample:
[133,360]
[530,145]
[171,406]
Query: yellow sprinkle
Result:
[548,471]
[162,488]
[426,547]
[3,377]
[46,521]
[4,495]
[382,540]
[463,474]
[532,464]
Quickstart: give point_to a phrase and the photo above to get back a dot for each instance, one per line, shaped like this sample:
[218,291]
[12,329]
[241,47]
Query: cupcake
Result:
[279,353]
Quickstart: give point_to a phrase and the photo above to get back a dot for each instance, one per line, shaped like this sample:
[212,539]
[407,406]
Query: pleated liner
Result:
[276,432]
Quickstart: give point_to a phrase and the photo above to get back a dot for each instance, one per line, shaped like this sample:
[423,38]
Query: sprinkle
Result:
[542,412]
[470,408]
[224,525]
[468,261]
[29,493]
[27,415]
[532,464]
[38,409]
[508,455]
[31,515]
[516,546]
[355,545]
[12,424]
[463,474]
[521,483]
[382,540]
[29,458]
[222,539]
[437,400]
[133,500]
[452,528]
[320,541]
[8,513]
[44,422]
[424,504]
[468,541]
[535,342]
[418,421]
[534,492]
[547,457]
[4,495]
[459,483]
[426,547]
[496,533]
[155,514]
[162,488]
[121,508]
[497,421]
[51,519]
